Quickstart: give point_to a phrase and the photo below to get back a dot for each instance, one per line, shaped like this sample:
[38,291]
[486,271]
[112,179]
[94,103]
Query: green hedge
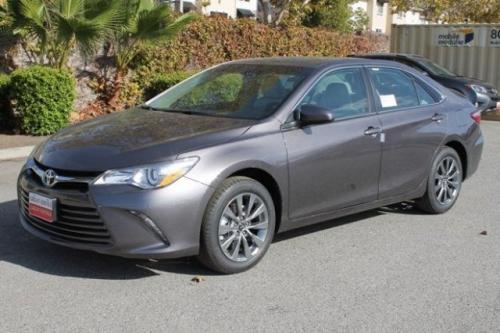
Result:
[213,40]
[5,115]
[162,82]
[42,99]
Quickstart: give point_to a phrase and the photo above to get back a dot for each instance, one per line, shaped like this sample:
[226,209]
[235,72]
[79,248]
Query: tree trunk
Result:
[114,96]
[265,6]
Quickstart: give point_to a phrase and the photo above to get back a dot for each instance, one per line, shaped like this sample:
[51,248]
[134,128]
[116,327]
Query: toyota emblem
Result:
[49,178]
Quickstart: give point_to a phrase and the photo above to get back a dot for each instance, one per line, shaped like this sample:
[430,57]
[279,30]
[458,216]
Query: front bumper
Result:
[111,219]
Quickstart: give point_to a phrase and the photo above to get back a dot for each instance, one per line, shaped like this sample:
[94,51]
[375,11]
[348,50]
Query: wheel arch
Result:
[270,183]
[462,153]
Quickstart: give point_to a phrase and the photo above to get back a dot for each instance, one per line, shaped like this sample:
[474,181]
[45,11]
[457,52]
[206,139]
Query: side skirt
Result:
[322,217]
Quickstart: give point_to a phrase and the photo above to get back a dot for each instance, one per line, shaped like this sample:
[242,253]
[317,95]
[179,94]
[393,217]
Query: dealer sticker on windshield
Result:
[42,207]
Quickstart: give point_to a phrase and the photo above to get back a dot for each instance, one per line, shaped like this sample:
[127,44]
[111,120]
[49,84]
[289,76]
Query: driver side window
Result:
[342,91]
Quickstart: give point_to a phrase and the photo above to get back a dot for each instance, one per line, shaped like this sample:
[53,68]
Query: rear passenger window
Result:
[424,97]
[395,89]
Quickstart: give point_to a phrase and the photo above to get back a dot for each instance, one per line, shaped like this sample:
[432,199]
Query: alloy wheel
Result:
[243,227]
[447,180]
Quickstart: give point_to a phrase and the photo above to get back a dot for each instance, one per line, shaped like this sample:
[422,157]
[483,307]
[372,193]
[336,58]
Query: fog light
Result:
[151,226]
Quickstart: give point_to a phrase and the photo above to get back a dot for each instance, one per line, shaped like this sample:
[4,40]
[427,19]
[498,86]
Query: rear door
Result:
[337,164]
[413,128]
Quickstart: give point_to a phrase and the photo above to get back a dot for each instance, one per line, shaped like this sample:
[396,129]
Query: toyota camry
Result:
[215,166]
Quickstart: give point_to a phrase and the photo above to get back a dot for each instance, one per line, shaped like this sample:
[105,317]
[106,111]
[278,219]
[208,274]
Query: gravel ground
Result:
[391,269]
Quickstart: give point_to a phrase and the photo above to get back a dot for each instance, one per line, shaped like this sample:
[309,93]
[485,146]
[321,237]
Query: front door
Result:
[335,165]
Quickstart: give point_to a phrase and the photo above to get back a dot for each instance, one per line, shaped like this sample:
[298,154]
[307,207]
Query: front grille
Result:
[79,184]
[68,173]
[76,221]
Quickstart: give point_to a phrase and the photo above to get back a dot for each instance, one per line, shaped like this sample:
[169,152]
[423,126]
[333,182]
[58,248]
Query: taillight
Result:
[476,116]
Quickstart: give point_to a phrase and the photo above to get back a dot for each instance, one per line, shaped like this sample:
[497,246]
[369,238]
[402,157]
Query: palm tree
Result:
[145,22]
[57,27]
[50,30]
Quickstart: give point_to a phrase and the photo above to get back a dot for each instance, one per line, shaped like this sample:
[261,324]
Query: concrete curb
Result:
[13,153]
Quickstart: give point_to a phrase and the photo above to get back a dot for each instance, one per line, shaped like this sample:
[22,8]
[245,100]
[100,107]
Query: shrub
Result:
[5,115]
[42,99]
[213,40]
[162,82]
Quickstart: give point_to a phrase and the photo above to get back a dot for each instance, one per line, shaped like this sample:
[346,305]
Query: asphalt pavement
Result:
[392,269]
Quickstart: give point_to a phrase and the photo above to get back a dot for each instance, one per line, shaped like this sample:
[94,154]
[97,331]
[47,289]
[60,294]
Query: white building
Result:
[381,17]
[379,12]
[229,8]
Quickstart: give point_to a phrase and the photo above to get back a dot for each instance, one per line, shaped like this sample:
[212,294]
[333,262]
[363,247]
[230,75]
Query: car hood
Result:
[134,137]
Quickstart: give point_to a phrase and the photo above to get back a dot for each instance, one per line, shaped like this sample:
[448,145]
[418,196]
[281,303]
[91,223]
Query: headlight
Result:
[149,176]
[479,89]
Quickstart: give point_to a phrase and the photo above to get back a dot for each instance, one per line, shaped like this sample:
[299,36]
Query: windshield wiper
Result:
[149,107]
[189,112]
[153,108]
[198,113]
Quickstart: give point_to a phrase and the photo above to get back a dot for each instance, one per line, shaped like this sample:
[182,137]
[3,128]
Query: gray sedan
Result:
[218,164]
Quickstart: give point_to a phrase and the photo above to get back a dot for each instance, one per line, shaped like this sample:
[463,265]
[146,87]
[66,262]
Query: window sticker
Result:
[388,101]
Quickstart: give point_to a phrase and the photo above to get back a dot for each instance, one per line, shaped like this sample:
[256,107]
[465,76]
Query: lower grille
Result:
[79,224]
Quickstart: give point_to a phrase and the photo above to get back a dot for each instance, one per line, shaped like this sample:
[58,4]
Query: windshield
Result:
[434,68]
[234,90]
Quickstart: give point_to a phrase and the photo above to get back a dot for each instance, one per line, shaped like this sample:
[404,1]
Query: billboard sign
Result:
[455,36]
[494,37]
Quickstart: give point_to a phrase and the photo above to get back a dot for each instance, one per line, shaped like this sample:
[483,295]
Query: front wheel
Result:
[444,183]
[238,226]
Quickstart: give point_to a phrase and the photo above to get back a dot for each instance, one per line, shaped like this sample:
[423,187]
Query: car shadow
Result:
[406,208]
[18,247]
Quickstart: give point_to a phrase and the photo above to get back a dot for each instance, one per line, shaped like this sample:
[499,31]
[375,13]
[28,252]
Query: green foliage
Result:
[452,11]
[162,82]
[144,22]
[49,30]
[330,14]
[42,99]
[5,115]
[213,40]
[359,20]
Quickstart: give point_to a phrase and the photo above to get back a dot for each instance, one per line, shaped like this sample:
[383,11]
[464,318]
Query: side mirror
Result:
[309,114]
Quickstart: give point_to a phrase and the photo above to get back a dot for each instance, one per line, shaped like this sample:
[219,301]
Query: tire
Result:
[252,236]
[444,183]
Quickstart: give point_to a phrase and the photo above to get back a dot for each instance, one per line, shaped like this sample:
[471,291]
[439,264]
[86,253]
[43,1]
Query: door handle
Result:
[437,117]
[373,131]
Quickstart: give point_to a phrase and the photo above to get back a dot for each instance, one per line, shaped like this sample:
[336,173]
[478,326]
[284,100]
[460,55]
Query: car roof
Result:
[387,56]
[311,62]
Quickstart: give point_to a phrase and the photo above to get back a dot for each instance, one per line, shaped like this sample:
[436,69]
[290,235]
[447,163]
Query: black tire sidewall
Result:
[211,254]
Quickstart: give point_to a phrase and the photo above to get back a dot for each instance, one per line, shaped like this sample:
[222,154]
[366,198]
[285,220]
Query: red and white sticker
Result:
[498,105]
[42,207]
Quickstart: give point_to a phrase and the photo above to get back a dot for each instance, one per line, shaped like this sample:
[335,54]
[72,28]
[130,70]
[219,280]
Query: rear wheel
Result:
[238,226]
[444,183]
